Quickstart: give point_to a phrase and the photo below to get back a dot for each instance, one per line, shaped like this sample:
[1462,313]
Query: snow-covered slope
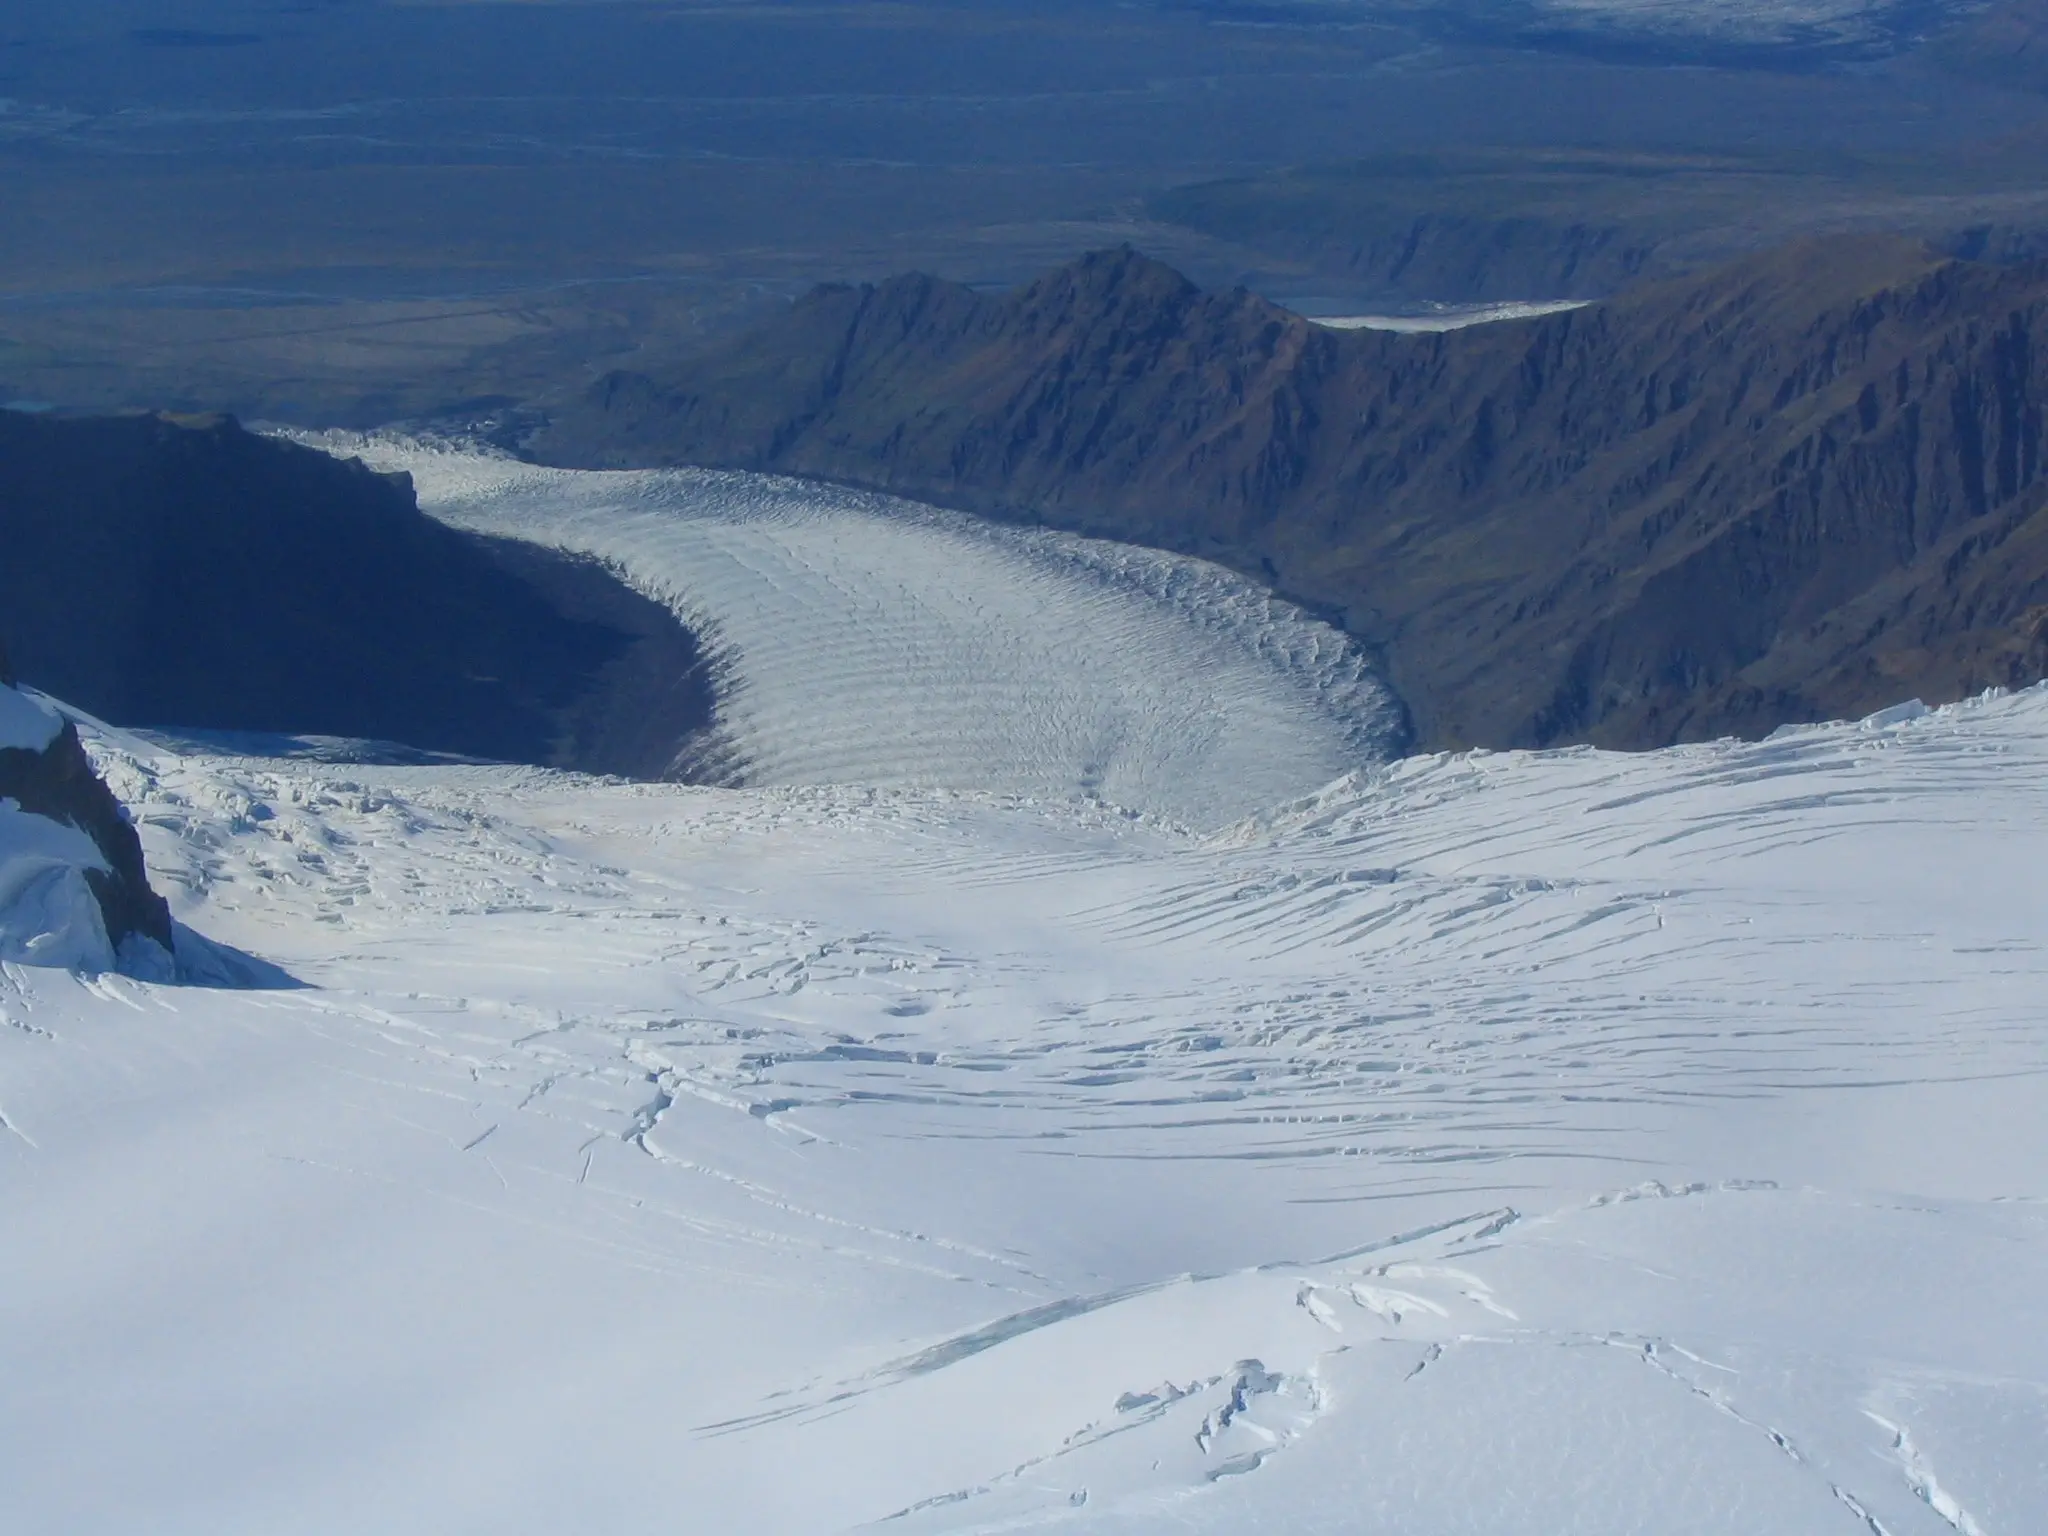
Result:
[863,640]
[1566,1143]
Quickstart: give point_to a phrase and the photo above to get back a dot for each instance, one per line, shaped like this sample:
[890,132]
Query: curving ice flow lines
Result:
[858,639]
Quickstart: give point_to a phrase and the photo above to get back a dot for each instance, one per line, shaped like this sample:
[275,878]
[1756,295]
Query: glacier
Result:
[863,639]
[1569,1142]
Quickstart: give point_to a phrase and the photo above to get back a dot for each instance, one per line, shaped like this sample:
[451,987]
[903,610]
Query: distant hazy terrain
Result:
[355,211]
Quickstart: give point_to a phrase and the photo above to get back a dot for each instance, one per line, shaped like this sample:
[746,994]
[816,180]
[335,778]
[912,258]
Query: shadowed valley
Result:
[182,572]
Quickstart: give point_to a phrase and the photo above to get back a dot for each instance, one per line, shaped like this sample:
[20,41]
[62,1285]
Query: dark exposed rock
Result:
[1806,485]
[183,572]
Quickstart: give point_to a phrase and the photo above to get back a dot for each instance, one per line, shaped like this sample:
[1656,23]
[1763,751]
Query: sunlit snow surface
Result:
[859,639]
[1566,1143]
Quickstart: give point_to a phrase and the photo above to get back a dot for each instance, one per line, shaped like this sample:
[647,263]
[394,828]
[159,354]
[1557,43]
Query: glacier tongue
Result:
[863,640]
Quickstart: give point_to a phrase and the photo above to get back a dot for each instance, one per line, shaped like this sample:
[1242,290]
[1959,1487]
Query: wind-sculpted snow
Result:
[1566,1142]
[862,640]
[27,724]
[48,914]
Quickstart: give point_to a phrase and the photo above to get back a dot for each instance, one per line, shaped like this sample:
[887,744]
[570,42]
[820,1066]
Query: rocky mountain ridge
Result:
[1805,485]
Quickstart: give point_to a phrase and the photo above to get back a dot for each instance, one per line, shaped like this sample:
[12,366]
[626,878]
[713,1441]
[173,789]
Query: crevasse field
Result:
[1563,1143]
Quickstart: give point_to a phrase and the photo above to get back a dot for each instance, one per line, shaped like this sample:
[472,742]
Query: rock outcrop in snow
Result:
[73,889]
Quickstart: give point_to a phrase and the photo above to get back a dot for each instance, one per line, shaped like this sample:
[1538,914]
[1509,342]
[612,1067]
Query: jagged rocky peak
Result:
[1125,301]
[73,887]
[1122,276]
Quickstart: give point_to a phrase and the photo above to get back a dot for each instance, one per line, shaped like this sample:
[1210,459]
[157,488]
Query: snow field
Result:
[1571,1142]
[858,639]
[1450,317]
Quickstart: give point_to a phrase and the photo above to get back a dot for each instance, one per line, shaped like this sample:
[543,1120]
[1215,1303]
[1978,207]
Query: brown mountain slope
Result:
[1805,485]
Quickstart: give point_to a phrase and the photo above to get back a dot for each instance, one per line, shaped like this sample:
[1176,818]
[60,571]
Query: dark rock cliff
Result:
[1805,485]
[59,782]
[183,572]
